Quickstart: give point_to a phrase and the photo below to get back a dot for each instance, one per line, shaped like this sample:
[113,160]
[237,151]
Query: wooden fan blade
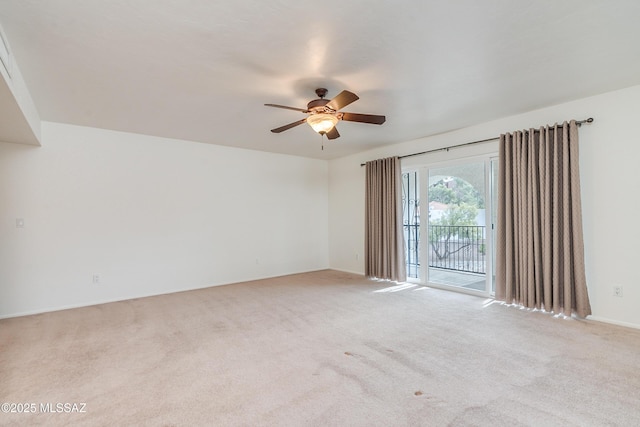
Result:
[289,126]
[288,108]
[363,118]
[333,133]
[343,99]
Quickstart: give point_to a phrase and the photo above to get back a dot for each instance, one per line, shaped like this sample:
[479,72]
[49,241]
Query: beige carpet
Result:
[323,348]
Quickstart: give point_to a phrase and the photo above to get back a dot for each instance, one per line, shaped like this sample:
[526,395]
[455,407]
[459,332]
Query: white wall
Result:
[609,153]
[150,216]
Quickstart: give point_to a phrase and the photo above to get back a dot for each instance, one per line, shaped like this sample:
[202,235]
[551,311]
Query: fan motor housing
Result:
[317,104]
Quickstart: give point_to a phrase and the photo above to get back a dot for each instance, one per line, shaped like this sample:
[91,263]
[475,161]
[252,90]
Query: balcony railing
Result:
[412,240]
[458,247]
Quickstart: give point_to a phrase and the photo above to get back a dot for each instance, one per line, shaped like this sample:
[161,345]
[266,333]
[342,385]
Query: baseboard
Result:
[359,273]
[614,322]
[100,302]
[132,297]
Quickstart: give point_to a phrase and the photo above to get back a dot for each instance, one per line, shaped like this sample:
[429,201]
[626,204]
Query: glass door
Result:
[457,240]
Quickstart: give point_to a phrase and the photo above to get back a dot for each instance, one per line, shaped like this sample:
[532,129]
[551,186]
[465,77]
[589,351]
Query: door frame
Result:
[489,188]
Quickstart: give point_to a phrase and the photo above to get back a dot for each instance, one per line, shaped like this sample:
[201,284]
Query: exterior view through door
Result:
[451,246]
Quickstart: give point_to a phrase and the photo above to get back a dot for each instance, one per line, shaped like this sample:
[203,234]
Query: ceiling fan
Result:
[323,114]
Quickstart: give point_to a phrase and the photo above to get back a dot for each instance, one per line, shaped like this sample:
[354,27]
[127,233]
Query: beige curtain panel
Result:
[540,249]
[384,238]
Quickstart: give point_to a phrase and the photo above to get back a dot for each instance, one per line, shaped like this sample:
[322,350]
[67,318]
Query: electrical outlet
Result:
[96,279]
[617,291]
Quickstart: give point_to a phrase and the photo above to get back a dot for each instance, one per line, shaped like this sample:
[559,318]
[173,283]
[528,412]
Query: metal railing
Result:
[412,240]
[458,247]
[411,221]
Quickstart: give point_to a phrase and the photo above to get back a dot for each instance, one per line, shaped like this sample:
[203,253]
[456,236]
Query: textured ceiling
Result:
[201,70]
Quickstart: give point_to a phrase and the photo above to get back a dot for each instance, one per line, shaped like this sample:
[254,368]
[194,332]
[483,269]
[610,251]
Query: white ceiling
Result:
[201,70]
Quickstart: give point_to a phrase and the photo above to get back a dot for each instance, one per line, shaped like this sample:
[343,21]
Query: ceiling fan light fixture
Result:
[323,115]
[322,122]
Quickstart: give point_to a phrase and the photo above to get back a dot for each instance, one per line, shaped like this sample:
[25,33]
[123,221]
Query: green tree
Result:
[462,214]
[455,191]
[442,194]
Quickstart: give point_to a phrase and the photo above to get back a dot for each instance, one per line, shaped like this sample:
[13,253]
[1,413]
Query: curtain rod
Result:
[578,122]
